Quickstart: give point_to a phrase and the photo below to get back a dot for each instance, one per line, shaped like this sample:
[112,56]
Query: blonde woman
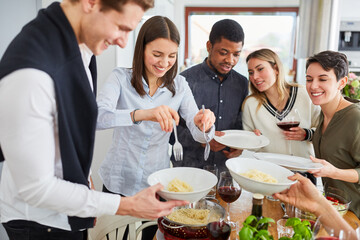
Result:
[271,100]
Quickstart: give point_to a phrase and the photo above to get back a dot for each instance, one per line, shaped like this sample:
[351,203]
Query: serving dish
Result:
[338,198]
[240,165]
[190,231]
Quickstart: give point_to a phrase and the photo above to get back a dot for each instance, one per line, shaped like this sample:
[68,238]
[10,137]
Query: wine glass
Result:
[229,191]
[326,232]
[212,194]
[218,230]
[289,121]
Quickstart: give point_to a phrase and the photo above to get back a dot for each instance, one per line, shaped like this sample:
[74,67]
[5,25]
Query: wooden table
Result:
[241,209]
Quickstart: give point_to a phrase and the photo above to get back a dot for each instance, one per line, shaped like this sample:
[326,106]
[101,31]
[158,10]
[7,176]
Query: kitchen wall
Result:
[349,10]
[13,17]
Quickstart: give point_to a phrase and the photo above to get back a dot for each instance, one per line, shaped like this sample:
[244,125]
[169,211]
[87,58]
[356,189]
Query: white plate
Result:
[240,165]
[290,162]
[240,139]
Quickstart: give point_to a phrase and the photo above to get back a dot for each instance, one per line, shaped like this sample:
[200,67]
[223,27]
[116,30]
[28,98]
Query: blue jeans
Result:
[28,230]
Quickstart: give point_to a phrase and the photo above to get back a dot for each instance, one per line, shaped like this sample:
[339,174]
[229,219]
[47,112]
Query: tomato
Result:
[332,199]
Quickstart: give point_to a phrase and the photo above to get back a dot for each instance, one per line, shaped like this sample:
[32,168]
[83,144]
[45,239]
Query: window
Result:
[273,28]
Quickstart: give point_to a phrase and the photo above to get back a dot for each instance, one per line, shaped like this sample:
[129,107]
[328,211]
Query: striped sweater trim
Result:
[289,105]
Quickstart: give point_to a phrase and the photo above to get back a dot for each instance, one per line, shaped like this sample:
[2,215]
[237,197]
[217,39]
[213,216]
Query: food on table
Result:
[251,230]
[259,176]
[256,229]
[193,216]
[176,185]
[305,215]
[340,207]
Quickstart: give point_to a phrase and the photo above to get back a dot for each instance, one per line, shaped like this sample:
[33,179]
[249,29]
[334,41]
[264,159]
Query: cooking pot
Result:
[187,231]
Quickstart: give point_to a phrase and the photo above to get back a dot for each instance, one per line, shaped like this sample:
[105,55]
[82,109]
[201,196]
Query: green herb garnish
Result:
[302,229]
[256,230]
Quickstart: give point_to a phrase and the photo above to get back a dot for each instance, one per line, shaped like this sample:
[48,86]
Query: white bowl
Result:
[201,180]
[241,165]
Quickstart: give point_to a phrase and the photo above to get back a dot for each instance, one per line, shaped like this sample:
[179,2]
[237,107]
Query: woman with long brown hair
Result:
[141,104]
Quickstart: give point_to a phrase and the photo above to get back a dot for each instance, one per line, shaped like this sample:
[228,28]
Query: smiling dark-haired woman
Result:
[337,137]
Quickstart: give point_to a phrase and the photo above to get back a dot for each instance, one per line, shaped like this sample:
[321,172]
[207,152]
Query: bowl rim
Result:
[339,198]
[328,190]
[184,193]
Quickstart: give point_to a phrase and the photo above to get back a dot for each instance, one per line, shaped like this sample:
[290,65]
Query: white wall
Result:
[349,10]
[13,15]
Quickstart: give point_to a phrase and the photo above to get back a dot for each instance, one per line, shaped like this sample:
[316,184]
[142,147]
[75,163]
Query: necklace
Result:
[338,106]
[328,117]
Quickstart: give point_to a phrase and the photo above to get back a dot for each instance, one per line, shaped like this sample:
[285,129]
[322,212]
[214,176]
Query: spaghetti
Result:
[177,185]
[193,216]
[259,176]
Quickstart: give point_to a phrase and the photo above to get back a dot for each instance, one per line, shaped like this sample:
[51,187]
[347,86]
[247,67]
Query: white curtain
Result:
[319,22]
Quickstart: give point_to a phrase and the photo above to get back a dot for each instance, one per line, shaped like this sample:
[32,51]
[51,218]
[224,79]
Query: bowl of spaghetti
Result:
[259,176]
[183,183]
[190,222]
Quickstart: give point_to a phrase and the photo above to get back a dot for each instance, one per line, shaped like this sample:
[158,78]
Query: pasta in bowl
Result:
[190,222]
[183,183]
[258,176]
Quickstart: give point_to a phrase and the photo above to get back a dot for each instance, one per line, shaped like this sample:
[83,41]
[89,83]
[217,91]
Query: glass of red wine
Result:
[218,230]
[229,191]
[291,120]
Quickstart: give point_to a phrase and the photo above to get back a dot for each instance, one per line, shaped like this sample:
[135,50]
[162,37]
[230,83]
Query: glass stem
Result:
[290,151]
[228,213]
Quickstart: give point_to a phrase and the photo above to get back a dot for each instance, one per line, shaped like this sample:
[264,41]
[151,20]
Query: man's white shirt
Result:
[32,186]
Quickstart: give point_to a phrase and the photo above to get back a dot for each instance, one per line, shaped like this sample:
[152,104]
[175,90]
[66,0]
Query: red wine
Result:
[287,125]
[218,230]
[229,194]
